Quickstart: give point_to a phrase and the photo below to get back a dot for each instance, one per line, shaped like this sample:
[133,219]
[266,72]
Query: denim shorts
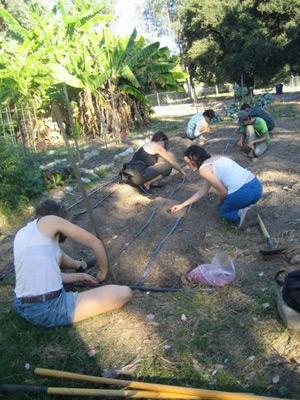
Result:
[51,313]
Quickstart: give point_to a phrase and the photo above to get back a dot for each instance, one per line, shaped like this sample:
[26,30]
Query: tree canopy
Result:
[223,39]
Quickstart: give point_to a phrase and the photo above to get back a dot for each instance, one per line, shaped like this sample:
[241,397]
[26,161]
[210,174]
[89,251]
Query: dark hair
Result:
[209,114]
[159,136]
[51,207]
[245,106]
[197,154]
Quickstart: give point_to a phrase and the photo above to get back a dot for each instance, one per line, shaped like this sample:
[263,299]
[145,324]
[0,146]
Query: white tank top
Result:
[231,174]
[36,259]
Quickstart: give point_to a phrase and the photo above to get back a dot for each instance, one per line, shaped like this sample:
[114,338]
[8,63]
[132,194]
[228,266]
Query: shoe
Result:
[144,190]
[248,217]
[156,186]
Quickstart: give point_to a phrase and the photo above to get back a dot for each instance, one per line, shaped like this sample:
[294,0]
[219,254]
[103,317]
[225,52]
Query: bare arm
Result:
[194,198]
[204,127]
[210,177]
[79,277]
[69,262]
[52,225]
[169,157]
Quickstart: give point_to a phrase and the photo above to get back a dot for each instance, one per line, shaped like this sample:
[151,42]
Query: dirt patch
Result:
[230,338]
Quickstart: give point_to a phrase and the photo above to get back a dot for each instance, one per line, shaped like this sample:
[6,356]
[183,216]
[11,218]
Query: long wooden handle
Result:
[64,391]
[263,227]
[200,393]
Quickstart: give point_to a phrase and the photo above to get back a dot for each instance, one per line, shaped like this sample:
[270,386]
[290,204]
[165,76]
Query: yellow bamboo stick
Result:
[203,394]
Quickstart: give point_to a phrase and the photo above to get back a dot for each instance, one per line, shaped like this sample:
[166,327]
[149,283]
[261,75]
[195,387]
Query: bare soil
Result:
[232,336]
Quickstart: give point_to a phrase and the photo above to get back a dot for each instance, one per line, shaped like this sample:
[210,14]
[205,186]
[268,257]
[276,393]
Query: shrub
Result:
[20,178]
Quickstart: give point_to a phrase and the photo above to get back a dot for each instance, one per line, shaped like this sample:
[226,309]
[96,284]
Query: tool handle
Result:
[263,228]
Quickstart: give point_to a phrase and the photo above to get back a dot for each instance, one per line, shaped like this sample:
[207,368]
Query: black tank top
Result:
[142,155]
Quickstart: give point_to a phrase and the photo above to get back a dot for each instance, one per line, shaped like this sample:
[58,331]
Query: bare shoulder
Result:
[50,225]
[50,219]
[153,148]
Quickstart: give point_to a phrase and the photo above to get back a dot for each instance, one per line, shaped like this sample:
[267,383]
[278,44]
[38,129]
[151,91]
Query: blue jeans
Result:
[54,312]
[248,194]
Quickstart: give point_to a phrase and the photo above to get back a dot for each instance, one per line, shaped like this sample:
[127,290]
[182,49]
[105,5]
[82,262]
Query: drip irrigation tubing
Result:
[144,226]
[93,192]
[96,204]
[157,249]
[159,246]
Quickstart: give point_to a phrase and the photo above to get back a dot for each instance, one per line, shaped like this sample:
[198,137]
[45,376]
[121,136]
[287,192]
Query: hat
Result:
[242,116]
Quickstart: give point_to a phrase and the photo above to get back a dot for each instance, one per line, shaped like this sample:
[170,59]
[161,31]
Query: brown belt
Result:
[40,298]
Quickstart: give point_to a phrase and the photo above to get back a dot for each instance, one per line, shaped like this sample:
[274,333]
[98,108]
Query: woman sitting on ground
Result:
[238,188]
[145,167]
[39,294]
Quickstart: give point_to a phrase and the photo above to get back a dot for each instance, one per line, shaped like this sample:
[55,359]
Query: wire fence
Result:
[18,125]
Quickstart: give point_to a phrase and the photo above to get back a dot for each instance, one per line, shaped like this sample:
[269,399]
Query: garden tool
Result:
[156,390]
[272,249]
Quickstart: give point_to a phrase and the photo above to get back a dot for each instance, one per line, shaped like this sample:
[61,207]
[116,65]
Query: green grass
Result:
[223,328]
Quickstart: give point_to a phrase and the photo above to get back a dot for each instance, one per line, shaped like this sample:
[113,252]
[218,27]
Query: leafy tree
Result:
[106,75]
[223,39]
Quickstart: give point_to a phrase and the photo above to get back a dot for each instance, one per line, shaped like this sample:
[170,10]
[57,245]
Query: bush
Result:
[20,178]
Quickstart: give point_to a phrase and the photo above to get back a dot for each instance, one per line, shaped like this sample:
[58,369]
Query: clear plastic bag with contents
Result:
[219,273]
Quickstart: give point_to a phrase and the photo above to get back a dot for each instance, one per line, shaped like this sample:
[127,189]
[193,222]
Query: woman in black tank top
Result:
[145,168]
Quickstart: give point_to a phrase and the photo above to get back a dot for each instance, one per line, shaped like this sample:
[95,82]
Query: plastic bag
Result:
[219,273]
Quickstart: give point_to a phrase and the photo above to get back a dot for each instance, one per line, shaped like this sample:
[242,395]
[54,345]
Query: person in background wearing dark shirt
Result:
[150,162]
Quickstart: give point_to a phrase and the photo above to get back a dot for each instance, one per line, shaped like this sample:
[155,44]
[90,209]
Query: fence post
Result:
[157,98]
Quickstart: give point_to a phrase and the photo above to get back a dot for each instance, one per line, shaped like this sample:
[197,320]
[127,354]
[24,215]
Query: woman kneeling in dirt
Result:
[39,294]
[145,167]
[238,188]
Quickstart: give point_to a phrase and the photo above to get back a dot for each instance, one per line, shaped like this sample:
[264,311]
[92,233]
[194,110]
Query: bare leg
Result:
[100,300]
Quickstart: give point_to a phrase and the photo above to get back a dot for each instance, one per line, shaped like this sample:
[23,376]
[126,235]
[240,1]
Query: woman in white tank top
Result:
[39,294]
[238,188]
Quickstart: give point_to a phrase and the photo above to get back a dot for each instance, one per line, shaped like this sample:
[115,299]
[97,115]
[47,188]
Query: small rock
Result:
[85,180]
[150,317]
[276,379]
[125,153]
[183,317]
[92,352]
[218,367]
[104,167]
[266,306]
[91,154]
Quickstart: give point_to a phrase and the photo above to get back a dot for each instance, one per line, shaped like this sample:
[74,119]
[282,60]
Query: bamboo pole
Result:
[76,170]
[203,394]
[71,121]
[106,393]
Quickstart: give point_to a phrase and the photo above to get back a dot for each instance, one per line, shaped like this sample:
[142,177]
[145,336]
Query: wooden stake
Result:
[76,170]
[71,120]
[203,394]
